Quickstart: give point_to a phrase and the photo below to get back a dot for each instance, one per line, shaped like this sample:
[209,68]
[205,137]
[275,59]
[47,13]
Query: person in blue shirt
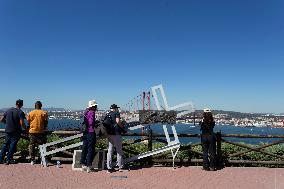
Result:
[14,121]
[208,140]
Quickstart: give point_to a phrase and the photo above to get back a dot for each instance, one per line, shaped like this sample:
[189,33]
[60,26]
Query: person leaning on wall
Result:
[14,123]
[208,140]
[114,129]
[38,121]
[89,136]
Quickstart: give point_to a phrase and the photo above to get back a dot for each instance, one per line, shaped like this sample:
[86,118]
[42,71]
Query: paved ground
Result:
[25,176]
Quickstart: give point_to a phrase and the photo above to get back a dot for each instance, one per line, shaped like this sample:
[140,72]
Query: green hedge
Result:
[143,147]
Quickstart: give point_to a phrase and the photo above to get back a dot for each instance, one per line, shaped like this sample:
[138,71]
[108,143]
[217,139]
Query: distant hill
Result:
[2,110]
[231,114]
[54,109]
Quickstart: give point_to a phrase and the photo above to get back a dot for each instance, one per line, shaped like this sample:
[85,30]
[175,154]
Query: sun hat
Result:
[92,103]
[114,106]
[206,110]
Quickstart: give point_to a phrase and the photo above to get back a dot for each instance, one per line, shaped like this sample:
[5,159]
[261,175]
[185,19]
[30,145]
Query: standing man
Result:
[14,120]
[114,129]
[208,140]
[37,120]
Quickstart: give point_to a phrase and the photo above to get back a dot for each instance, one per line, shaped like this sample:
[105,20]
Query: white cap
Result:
[92,103]
[206,110]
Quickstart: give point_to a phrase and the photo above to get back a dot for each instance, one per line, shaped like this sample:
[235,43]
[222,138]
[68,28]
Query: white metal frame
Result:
[167,108]
[44,152]
[174,146]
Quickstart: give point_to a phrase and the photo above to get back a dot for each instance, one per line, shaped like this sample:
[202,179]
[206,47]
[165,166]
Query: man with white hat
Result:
[89,136]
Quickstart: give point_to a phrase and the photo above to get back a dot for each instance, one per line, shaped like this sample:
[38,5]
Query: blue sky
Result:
[224,54]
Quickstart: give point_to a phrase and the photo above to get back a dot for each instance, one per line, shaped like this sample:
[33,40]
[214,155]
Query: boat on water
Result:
[244,125]
[260,124]
[52,117]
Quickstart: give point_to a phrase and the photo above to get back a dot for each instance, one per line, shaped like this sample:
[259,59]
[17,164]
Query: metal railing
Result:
[222,157]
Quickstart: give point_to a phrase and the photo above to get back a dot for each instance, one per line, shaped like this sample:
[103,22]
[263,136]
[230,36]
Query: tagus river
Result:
[186,129]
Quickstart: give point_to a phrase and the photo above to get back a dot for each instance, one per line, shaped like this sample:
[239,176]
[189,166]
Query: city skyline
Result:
[223,55]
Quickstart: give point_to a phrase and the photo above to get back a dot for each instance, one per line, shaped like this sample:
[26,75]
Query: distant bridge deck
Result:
[26,176]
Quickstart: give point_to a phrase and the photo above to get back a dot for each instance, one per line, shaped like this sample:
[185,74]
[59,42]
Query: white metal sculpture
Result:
[44,152]
[159,107]
[173,146]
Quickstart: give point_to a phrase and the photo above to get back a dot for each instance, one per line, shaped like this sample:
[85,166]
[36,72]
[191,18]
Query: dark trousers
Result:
[35,139]
[209,146]
[10,144]
[88,149]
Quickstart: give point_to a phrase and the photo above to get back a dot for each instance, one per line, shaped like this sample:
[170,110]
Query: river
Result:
[188,129]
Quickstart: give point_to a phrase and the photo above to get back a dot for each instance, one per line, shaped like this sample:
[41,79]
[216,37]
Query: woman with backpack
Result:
[89,136]
[208,140]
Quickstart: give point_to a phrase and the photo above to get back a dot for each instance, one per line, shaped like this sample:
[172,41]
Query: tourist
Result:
[89,136]
[208,140]
[114,129]
[37,120]
[14,121]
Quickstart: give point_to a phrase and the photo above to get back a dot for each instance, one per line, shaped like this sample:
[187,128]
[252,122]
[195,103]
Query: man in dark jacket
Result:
[14,120]
[115,129]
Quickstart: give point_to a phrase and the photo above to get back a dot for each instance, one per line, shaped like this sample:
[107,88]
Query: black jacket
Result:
[207,128]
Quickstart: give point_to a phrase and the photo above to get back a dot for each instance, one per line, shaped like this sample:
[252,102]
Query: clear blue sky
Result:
[225,54]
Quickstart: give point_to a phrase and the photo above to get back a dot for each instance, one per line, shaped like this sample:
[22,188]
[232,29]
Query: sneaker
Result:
[8,162]
[84,168]
[89,169]
[47,162]
[110,170]
[123,169]
[213,169]
[206,168]
[32,162]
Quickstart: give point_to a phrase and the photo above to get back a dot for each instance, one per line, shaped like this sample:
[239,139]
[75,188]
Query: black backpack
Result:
[109,124]
[99,128]
[84,127]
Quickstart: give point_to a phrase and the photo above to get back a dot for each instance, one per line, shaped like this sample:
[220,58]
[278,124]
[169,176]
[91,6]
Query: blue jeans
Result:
[9,145]
[88,149]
